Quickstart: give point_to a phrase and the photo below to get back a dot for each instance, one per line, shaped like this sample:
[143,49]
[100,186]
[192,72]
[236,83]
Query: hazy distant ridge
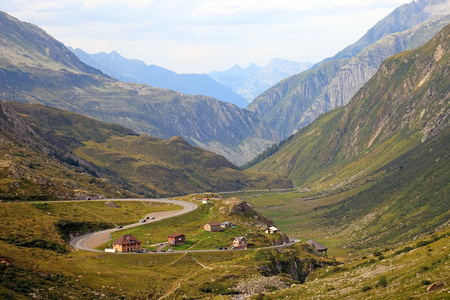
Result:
[253,80]
[137,71]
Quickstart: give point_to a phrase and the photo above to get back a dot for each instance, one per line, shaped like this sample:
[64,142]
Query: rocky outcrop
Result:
[240,207]
[288,261]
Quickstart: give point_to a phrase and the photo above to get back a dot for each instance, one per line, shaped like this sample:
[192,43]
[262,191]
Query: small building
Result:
[127,243]
[318,247]
[212,227]
[271,229]
[205,201]
[177,239]
[110,250]
[225,225]
[240,242]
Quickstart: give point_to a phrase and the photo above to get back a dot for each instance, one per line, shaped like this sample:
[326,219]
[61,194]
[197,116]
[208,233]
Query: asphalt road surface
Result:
[90,241]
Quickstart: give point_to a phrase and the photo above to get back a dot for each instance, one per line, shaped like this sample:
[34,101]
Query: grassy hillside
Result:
[404,104]
[407,198]
[400,273]
[35,266]
[105,155]
[377,170]
[32,267]
[248,223]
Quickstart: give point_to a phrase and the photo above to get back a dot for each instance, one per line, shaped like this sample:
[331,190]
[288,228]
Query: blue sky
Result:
[199,36]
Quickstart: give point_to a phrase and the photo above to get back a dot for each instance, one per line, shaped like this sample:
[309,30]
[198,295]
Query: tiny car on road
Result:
[170,250]
[120,226]
[153,218]
[162,250]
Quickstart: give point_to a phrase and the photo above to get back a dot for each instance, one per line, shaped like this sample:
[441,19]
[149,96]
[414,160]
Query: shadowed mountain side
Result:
[28,73]
[113,154]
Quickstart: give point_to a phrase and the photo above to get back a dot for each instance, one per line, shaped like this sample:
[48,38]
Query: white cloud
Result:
[205,35]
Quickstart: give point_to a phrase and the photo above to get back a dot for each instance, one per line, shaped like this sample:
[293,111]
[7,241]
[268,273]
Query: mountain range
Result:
[52,153]
[298,100]
[253,80]
[34,67]
[372,173]
[137,71]
[387,151]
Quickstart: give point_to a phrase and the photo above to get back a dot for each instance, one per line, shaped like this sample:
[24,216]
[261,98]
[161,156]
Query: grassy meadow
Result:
[191,225]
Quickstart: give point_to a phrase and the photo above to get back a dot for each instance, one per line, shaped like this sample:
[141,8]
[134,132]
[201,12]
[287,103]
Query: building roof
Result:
[273,228]
[127,239]
[241,238]
[213,224]
[316,245]
[175,235]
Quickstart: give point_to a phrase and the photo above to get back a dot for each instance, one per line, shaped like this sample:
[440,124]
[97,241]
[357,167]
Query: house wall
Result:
[127,248]
[213,228]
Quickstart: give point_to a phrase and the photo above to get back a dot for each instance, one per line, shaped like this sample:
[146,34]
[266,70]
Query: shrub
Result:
[366,288]
[40,205]
[381,257]
[382,282]
[425,282]
[405,249]
[377,253]
[67,228]
[36,243]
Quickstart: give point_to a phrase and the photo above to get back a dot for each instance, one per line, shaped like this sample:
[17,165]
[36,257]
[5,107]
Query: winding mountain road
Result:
[90,241]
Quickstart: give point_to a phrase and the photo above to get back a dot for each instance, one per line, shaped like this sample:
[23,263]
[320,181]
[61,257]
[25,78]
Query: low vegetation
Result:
[142,276]
[249,224]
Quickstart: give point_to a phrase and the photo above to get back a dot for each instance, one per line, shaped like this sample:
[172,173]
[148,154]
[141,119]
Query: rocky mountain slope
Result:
[137,71]
[404,105]
[252,81]
[36,68]
[378,168]
[298,100]
[33,169]
[50,153]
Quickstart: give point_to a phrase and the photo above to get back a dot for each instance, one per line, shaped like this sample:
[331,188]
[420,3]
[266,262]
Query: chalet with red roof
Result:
[127,243]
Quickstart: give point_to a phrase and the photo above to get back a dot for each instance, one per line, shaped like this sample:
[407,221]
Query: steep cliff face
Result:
[404,104]
[298,100]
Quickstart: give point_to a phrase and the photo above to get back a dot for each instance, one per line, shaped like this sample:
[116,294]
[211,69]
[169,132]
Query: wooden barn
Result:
[177,239]
[212,227]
